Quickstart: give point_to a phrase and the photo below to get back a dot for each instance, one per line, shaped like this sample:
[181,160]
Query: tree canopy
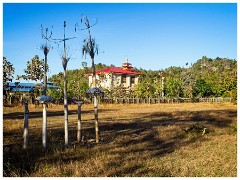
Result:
[34,70]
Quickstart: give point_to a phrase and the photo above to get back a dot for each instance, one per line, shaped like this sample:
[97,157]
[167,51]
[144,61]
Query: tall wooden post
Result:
[64,63]
[91,48]
[65,60]
[44,123]
[44,127]
[79,126]
[25,131]
[45,49]
[96,118]
[44,100]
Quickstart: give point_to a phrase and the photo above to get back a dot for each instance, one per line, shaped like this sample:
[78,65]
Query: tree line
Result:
[206,77]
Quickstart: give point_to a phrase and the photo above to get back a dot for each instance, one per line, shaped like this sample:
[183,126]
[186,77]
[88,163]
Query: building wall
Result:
[114,80]
[117,80]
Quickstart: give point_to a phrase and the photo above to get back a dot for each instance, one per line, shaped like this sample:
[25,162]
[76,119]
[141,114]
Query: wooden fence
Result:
[162,100]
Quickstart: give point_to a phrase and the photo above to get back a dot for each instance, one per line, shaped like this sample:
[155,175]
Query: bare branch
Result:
[87,23]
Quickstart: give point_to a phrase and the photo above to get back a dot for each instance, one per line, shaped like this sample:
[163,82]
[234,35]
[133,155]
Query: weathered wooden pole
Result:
[95,103]
[90,47]
[44,123]
[25,131]
[94,84]
[64,63]
[96,118]
[45,98]
[44,126]
[96,91]
[65,60]
[79,126]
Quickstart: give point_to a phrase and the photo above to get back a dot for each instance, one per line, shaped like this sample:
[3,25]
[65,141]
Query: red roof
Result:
[116,70]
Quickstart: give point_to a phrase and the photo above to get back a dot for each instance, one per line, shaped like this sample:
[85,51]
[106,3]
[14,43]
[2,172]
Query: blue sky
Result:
[152,36]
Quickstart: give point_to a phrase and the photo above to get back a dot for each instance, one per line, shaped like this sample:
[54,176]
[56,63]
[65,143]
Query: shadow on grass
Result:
[130,140]
[50,113]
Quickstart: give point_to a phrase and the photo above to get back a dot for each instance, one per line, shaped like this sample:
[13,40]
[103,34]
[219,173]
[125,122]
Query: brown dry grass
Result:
[135,140]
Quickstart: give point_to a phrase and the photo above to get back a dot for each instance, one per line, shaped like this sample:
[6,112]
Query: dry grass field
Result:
[160,140]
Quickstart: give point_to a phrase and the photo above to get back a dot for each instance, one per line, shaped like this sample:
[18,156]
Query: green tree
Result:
[220,74]
[8,70]
[145,87]
[202,89]
[173,87]
[188,80]
[34,70]
[77,82]
[158,85]
[57,95]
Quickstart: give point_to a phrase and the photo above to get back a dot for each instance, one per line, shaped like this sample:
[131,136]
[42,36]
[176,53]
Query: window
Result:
[124,79]
[133,79]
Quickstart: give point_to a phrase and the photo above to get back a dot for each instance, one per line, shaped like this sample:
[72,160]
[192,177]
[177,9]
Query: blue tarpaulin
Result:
[24,87]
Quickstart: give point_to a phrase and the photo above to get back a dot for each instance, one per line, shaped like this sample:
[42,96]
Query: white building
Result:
[115,76]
